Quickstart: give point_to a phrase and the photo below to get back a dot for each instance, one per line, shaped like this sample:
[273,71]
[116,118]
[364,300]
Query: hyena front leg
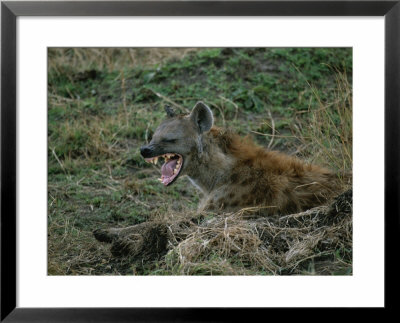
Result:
[111,234]
[147,240]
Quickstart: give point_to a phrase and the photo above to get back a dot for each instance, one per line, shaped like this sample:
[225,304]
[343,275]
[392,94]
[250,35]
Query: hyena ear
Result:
[170,111]
[202,116]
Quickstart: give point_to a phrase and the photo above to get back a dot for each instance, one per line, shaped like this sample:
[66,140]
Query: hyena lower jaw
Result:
[171,168]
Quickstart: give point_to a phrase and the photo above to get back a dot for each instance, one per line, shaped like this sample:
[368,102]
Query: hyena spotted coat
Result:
[233,172]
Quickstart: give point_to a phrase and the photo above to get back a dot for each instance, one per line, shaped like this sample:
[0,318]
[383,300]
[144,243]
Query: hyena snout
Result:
[147,151]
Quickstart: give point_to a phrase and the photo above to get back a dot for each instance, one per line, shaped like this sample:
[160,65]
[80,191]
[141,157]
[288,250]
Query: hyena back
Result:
[233,172]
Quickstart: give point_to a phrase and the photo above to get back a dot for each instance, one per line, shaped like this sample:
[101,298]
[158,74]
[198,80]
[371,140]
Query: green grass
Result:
[103,104]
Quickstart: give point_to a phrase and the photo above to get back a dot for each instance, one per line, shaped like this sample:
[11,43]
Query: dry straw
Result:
[317,241]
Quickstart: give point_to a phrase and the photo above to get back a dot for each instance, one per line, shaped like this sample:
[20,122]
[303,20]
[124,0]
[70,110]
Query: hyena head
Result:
[178,139]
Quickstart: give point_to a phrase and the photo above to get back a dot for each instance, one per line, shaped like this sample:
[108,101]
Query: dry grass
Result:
[292,244]
[328,130]
[317,241]
[112,59]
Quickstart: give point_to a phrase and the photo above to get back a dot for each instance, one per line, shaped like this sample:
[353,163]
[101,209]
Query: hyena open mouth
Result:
[170,169]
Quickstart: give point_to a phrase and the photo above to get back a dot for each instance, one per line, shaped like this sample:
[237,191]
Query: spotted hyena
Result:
[233,172]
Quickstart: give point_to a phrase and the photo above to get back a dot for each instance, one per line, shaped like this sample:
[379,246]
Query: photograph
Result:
[199,161]
[167,161]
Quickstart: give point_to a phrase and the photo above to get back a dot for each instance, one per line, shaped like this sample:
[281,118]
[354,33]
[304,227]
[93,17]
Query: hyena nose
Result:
[145,151]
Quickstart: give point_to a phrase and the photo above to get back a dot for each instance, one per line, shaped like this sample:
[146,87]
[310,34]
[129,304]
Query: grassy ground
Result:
[103,104]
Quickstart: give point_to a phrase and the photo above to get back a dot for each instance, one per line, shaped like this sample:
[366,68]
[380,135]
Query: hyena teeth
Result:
[155,160]
[175,171]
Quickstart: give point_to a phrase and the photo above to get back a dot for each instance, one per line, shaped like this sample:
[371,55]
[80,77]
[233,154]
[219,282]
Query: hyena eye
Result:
[170,141]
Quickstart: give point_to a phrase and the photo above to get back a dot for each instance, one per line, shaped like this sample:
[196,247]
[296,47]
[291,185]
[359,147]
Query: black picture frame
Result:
[11,10]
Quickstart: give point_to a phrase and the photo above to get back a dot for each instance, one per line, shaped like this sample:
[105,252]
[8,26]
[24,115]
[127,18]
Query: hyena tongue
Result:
[167,170]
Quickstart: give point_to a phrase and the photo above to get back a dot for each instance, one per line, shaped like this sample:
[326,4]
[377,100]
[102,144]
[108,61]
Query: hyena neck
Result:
[211,168]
